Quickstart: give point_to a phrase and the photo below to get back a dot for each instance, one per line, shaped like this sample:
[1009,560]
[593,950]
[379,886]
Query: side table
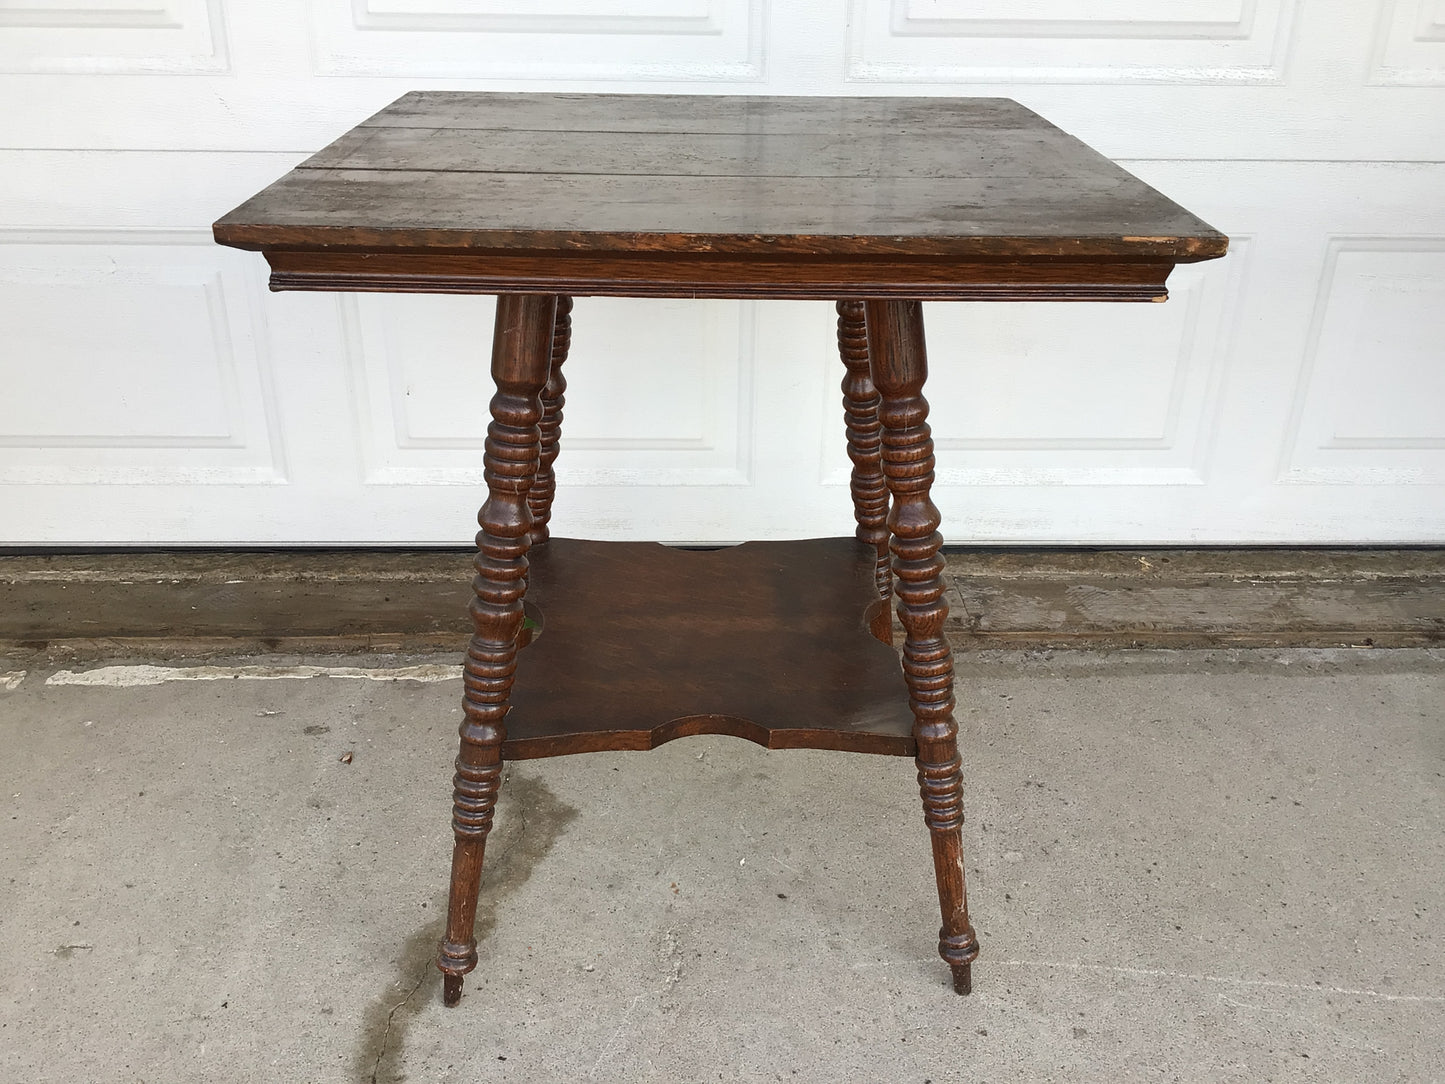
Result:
[873,203]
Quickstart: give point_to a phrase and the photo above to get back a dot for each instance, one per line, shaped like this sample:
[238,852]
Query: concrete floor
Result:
[1206,865]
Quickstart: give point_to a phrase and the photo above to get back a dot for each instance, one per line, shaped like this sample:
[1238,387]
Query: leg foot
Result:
[452,989]
[962,979]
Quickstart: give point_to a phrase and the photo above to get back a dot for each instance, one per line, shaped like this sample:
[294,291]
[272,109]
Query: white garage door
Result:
[151,391]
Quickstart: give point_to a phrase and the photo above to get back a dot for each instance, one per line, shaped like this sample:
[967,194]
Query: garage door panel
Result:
[133,359]
[155,393]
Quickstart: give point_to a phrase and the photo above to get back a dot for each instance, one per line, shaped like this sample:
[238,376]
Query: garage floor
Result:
[1184,865]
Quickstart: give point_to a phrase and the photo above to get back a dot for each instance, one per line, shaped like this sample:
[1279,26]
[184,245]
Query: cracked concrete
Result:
[384,1034]
[1184,865]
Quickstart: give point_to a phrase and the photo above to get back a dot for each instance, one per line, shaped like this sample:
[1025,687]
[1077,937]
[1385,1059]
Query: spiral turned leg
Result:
[521,348]
[900,366]
[860,416]
[868,486]
[539,498]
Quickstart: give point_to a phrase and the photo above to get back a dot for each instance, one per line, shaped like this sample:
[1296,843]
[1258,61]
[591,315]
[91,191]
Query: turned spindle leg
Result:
[521,350]
[539,498]
[900,366]
[860,417]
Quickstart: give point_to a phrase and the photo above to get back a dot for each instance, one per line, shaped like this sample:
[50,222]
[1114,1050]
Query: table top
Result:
[724,196]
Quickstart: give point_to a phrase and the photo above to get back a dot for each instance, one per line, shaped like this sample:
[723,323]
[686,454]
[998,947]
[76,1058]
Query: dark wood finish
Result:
[521,356]
[544,488]
[900,366]
[895,152]
[643,643]
[720,197]
[873,203]
[864,435]
[717,114]
[762,275]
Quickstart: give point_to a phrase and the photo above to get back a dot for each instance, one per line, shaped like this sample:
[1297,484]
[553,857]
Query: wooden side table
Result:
[873,203]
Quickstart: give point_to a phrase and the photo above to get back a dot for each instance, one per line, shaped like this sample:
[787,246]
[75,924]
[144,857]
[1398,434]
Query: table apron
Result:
[941,279]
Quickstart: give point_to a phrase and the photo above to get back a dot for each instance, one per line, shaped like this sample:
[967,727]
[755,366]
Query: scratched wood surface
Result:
[767,641]
[849,178]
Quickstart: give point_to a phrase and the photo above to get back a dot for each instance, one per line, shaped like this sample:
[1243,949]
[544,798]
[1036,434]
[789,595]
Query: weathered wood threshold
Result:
[199,602]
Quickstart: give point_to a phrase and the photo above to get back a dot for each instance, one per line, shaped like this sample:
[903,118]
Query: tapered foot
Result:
[452,988]
[963,978]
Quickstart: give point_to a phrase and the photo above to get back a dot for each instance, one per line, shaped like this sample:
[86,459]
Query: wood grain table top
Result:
[722,196]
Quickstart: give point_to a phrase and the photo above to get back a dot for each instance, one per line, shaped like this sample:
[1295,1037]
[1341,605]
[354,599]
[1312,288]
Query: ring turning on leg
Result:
[521,351]
[860,418]
[899,365]
[544,488]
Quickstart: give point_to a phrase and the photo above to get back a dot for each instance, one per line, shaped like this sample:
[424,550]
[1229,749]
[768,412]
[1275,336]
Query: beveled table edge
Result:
[711,275]
[1206,244]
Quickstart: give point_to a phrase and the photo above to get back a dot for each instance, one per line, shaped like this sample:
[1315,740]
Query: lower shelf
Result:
[642,643]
